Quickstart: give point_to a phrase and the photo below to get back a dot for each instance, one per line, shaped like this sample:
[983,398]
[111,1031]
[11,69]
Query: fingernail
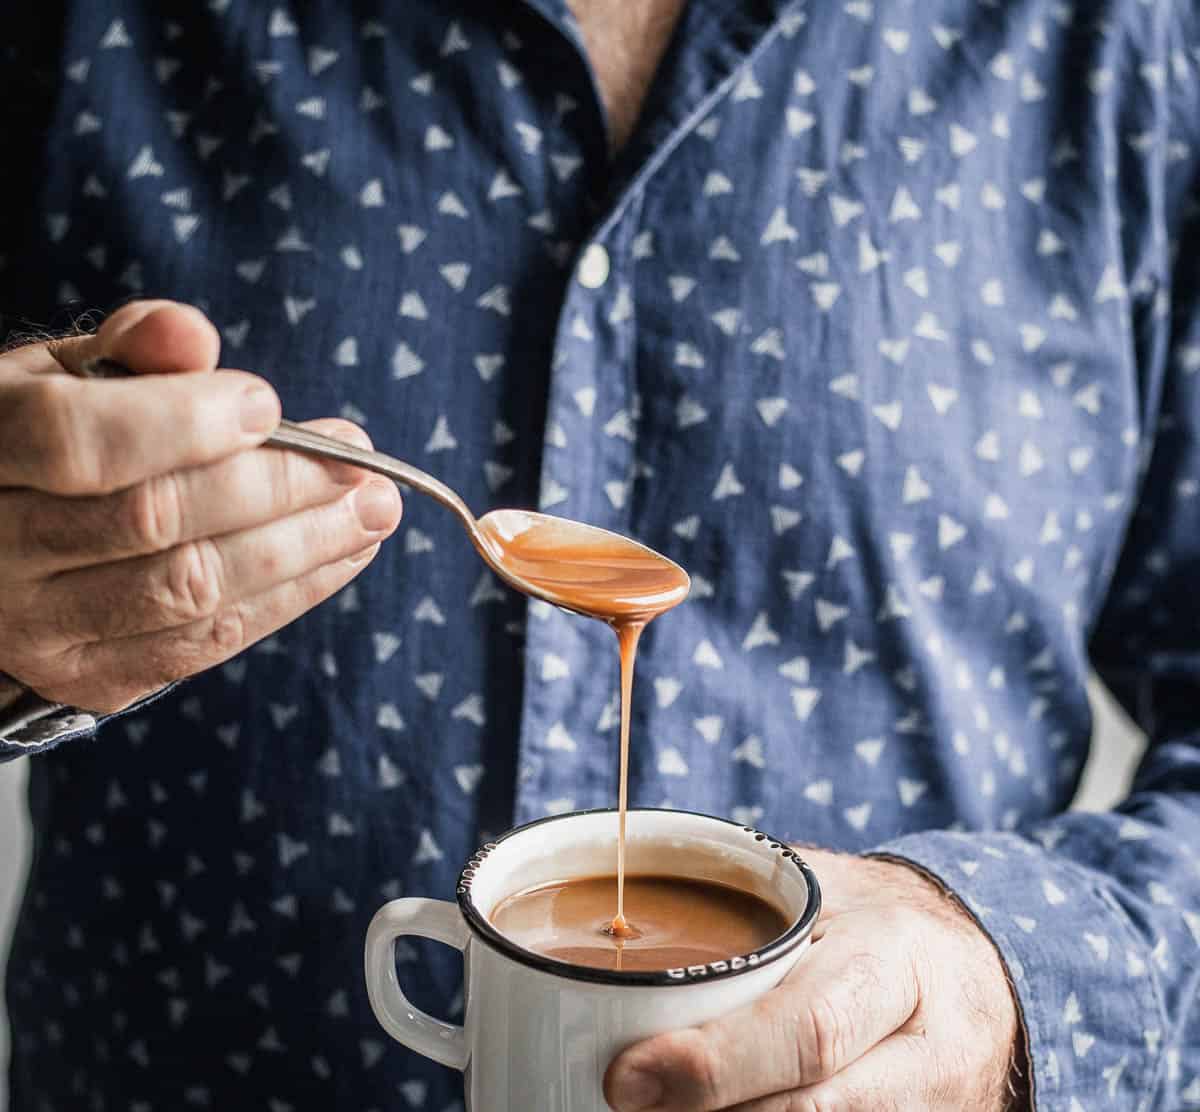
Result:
[377,506]
[260,409]
[363,557]
[634,1090]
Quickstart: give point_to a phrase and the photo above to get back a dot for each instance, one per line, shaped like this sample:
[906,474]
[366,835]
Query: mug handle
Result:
[436,919]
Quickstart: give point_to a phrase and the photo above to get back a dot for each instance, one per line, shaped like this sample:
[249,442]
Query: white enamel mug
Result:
[540,1033]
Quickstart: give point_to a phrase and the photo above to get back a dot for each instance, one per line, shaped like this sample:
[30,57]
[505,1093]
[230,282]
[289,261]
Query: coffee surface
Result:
[674,922]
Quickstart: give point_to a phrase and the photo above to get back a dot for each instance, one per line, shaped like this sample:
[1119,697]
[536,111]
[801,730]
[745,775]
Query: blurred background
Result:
[1105,780]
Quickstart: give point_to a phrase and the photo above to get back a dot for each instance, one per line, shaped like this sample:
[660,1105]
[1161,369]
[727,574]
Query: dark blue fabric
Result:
[897,355]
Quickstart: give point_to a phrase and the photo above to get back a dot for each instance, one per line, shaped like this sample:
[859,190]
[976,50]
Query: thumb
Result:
[148,337]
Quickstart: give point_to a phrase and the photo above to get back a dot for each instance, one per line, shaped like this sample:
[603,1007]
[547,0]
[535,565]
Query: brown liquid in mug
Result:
[679,922]
[601,575]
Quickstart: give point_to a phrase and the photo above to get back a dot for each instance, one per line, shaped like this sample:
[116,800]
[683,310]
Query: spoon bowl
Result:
[578,567]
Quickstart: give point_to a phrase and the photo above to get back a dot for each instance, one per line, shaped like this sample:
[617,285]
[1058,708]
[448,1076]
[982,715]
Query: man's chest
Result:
[625,43]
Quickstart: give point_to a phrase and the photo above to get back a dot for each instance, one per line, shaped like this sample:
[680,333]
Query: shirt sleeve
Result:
[1097,916]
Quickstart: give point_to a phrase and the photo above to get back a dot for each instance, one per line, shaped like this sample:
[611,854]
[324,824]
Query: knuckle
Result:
[155,513]
[273,562]
[193,586]
[227,632]
[822,1038]
[63,459]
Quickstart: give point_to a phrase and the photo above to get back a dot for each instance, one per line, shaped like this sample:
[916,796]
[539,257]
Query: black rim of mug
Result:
[737,964]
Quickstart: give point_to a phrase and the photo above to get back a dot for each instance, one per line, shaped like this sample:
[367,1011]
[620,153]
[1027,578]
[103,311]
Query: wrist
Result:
[1007,1086]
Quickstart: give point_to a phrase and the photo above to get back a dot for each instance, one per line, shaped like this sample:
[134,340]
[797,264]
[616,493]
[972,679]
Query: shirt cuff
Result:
[1084,979]
[32,725]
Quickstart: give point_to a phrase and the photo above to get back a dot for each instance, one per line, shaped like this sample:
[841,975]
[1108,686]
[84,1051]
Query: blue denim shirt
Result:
[884,324]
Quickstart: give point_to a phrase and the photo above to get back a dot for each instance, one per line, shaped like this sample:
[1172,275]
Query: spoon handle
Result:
[288,434]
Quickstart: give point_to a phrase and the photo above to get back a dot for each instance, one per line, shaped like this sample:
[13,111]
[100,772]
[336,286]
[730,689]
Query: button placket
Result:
[570,670]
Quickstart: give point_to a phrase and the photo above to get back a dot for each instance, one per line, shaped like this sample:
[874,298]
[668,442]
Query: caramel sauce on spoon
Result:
[582,568]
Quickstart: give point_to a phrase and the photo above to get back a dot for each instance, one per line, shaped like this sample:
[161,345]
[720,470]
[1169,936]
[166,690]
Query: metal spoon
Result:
[578,567]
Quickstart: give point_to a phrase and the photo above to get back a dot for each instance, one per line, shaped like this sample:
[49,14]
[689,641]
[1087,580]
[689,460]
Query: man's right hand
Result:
[145,534]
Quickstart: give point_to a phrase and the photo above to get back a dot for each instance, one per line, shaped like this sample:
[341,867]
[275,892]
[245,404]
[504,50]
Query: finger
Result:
[148,337]
[104,678]
[852,989]
[896,1076]
[179,337]
[71,436]
[43,534]
[197,580]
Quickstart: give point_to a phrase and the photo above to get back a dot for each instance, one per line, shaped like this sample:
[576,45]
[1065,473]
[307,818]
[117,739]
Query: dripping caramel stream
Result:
[600,575]
[628,634]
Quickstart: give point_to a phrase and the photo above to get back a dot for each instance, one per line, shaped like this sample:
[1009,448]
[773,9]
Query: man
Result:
[879,318]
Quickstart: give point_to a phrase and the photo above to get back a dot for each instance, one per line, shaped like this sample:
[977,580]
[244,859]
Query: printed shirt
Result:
[884,325]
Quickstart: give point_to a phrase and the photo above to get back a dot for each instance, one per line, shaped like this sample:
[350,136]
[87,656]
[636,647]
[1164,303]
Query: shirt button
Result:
[593,267]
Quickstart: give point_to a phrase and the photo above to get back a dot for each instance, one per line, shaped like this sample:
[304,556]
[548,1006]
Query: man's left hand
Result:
[901,1003]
